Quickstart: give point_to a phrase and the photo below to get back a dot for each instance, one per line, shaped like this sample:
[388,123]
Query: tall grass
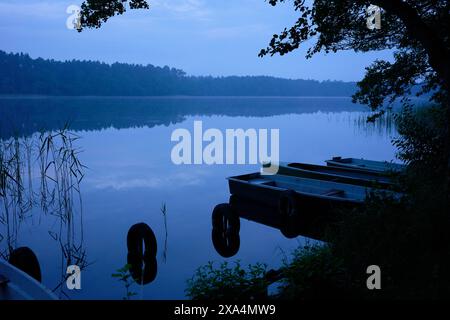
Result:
[15,205]
[61,173]
[52,160]
[384,125]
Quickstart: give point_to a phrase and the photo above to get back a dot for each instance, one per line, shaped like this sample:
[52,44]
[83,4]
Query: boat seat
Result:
[334,193]
[261,181]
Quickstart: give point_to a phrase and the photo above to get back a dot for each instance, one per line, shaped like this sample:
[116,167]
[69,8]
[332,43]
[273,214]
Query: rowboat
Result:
[347,175]
[268,188]
[382,167]
[297,200]
[17,285]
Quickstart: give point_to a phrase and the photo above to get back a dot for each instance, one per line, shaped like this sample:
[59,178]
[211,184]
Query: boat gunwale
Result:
[350,170]
[39,291]
[301,193]
[373,166]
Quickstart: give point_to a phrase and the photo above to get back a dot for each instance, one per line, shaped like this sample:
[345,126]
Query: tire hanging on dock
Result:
[225,232]
[142,250]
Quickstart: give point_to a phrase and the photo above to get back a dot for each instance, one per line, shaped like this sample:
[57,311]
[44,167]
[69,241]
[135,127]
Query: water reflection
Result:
[130,175]
[226,223]
[225,230]
[24,116]
[383,125]
[25,259]
[142,249]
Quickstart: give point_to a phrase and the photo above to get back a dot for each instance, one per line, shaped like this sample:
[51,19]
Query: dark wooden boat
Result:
[382,167]
[347,175]
[269,188]
[300,199]
[297,199]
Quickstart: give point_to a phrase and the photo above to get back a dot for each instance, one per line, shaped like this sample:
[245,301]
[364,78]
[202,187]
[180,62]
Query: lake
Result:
[125,144]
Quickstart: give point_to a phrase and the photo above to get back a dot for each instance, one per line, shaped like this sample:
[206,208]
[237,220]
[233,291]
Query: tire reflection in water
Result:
[289,217]
[142,250]
[225,231]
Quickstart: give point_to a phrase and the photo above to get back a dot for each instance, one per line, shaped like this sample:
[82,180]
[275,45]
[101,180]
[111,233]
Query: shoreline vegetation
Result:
[26,76]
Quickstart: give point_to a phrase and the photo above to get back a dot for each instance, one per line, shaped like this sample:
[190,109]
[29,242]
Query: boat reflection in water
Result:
[142,250]
[226,223]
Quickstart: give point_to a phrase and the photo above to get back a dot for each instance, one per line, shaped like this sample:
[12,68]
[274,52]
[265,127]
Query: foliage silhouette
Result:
[24,75]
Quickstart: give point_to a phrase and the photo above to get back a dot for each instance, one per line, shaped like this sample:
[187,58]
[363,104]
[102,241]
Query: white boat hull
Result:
[17,285]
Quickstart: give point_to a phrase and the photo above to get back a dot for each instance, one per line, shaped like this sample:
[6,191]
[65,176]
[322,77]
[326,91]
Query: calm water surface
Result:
[126,148]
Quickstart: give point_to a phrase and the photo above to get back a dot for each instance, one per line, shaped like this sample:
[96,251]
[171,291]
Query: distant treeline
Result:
[20,74]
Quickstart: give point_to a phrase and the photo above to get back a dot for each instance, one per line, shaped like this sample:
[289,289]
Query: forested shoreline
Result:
[22,75]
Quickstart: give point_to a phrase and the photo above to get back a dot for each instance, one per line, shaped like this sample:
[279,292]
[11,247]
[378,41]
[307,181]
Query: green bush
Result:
[314,273]
[230,282]
[408,237]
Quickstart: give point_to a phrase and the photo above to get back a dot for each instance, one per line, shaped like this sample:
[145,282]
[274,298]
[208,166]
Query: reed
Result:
[52,160]
[164,213]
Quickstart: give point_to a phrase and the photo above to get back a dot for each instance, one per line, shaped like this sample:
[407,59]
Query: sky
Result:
[218,38]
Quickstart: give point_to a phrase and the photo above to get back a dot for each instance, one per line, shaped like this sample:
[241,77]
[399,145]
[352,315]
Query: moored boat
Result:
[17,285]
[268,189]
[382,167]
[347,175]
[294,198]
[298,199]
